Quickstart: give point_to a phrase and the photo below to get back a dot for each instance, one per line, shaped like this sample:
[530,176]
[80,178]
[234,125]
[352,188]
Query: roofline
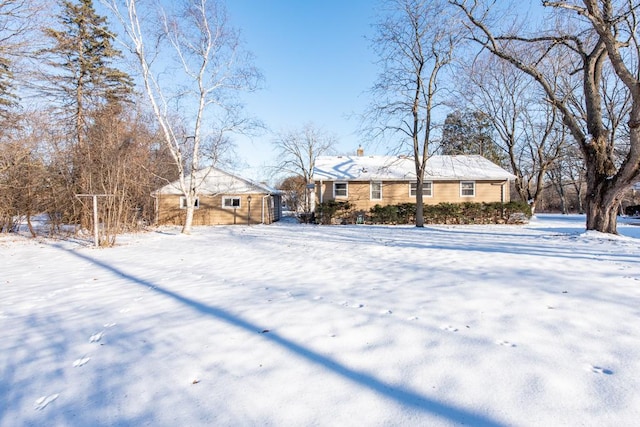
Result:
[264,188]
[505,176]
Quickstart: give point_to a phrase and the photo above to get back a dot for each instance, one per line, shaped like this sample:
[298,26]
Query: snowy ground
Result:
[293,324]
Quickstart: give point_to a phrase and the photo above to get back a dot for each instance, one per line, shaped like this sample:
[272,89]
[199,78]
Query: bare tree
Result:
[415,41]
[566,176]
[298,150]
[127,163]
[294,191]
[212,70]
[22,172]
[595,35]
[528,128]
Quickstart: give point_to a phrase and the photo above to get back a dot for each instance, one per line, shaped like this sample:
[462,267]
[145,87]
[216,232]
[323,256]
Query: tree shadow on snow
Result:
[400,395]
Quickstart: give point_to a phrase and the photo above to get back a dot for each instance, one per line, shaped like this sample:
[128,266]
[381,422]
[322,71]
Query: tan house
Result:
[223,199]
[366,181]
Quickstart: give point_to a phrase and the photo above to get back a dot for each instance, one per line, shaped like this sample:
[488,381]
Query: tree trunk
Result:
[602,202]
[580,198]
[31,229]
[602,217]
[190,201]
[563,200]
[419,210]
[188,222]
[604,189]
[419,198]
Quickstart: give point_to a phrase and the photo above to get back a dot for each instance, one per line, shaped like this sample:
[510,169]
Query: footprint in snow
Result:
[81,362]
[450,328]
[348,304]
[600,370]
[42,402]
[506,344]
[96,337]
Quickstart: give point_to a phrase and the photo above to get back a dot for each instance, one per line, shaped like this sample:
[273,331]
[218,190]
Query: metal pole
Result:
[96,239]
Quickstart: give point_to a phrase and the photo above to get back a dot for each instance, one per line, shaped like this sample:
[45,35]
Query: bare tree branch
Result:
[214,67]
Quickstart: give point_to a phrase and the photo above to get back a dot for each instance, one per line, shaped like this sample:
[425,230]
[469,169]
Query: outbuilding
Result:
[223,199]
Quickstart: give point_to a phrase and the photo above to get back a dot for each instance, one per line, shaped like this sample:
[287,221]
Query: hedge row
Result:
[333,212]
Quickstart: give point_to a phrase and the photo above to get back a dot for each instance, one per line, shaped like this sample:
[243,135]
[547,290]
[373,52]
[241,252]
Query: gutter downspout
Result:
[502,191]
[263,200]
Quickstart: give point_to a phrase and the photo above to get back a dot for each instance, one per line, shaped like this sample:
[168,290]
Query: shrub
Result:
[453,213]
[327,212]
[384,214]
[406,213]
[513,208]
[472,213]
[448,213]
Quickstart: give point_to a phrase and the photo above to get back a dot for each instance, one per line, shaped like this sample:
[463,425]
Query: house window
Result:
[340,189]
[231,202]
[376,191]
[427,189]
[183,202]
[467,188]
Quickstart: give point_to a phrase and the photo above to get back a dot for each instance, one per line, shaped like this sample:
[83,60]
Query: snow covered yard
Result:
[293,324]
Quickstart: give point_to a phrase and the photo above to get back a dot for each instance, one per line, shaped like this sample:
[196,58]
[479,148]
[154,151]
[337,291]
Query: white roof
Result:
[216,181]
[402,168]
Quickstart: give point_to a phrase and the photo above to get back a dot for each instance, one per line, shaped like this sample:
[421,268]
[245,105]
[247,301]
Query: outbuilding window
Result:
[231,202]
[467,189]
[340,189]
[183,202]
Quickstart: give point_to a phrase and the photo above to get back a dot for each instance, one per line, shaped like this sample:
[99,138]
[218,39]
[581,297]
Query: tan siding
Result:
[211,211]
[398,192]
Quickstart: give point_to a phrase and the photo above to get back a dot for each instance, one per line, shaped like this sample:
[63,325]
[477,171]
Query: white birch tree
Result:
[212,69]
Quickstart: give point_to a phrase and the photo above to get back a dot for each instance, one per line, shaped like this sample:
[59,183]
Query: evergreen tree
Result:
[83,81]
[470,132]
[80,60]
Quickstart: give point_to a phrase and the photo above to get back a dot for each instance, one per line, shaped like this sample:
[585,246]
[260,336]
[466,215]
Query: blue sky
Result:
[317,64]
